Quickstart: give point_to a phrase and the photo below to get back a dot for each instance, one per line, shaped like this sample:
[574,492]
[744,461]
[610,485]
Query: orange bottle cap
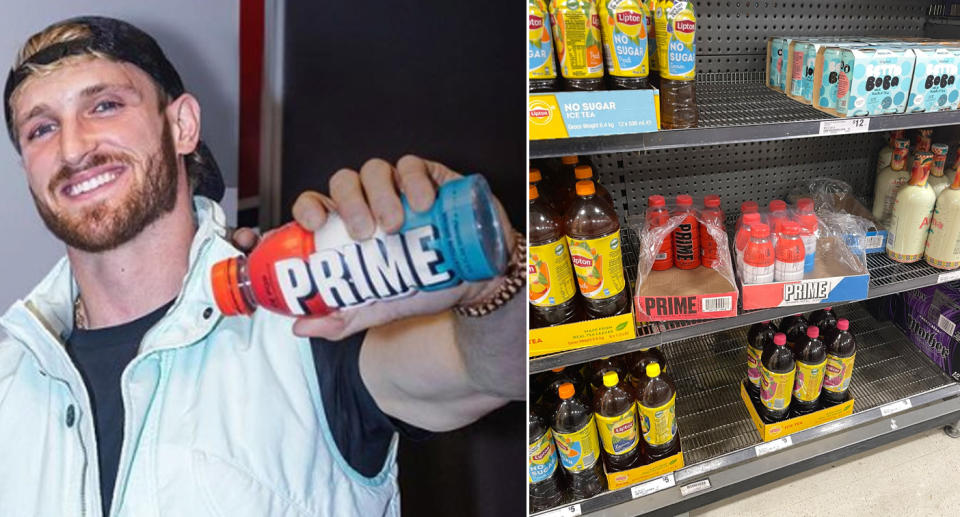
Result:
[565,391]
[586,188]
[226,288]
[583,172]
[569,160]
[535,175]
[534,193]
[558,370]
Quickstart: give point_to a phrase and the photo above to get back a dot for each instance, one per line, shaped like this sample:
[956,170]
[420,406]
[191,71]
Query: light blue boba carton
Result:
[829,67]
[874,80]
[934,86]
[803,64]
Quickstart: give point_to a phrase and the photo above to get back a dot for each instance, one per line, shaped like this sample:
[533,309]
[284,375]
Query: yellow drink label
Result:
[580,449]
[618,434]
[839,370]
[753,365]
[659,424]
[576,36]
[541,459]
[625,37]
[676,26]
[651,6]
[776,388]
[540,64]
[550,274]
[806,387]
[598,265]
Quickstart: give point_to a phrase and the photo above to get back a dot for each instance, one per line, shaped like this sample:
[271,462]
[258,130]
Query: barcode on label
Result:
[948,277]
[567,511]
[776,445]
[896,407]
[844,127]
[693,488]
[654,485]
[716,304]
[947,325]
[873,242]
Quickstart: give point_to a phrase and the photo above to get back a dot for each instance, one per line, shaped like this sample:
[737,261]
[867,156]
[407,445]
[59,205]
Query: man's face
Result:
[98,152]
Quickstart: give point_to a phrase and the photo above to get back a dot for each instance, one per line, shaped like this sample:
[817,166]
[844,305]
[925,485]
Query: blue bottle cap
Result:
[478,242]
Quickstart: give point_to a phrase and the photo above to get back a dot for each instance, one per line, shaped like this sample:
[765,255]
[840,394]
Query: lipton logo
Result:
[775,430]
[623,428]
[685,26]
[533,269]
[540,112]
[595,21]
[629,18]
[542,454]
[581,261]
[536,22]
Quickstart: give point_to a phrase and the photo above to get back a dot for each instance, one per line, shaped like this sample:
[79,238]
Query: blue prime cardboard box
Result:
[934,86]
[597,113]
[874,81]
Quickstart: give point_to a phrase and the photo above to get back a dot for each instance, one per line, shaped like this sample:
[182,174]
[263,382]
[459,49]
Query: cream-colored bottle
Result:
[889,181]
[937,180]
[886,153]
[912,211]
[943,243]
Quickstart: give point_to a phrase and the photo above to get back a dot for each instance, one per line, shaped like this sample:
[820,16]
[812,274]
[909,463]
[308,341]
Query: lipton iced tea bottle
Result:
[758,257]
[549,399]
[596,369]
[841,352]
[676,26]
[543,475]
[759,337]
[742,237]
[811,358]
[615,406]
[657,215]
[889,181]
[656,405]
[565,183]
[886,153]
[789,254]
[937,181]
[576,36]
[593,234]
[625,43]
[550,281]
[296,272]
[541,69]
[777,372]
[585,172]
[794,327]
[824,319]
[686,237]
[712,214]
[638,361]
[575,432]
[912,212]
[943,244]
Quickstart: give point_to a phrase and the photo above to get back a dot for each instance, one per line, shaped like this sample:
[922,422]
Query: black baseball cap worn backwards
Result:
[123,42]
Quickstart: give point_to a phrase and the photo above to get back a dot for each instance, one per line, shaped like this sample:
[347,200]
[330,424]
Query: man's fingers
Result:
[310,210]
[416,183]
[376,176]
[327,327]
[440,173]
[347,193]
[245,239]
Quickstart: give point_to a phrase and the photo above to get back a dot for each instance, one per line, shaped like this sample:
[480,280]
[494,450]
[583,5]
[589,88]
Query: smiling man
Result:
[124,391]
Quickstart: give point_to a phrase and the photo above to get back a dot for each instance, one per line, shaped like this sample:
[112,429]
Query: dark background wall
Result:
[446,81]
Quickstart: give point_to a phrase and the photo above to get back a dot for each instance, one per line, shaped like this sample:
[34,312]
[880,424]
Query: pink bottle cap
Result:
[813,331]
[779,339]
[843,324]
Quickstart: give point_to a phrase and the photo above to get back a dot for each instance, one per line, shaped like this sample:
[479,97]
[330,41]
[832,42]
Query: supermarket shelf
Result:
[886,277]
[734,112]
[898,392]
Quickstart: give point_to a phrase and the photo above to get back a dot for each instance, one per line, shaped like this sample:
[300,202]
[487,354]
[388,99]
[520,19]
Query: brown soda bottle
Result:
[551,287]
[795,327]
[841,352]
[811,358]
[777,372]
[656,410]
[585,172]
[615,406]
[543,471]
[578,445]
[593,235]
[759,337]
[637,365]
[824,318]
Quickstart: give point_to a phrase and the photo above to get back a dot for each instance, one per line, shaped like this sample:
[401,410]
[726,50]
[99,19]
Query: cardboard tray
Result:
[769,432]
[617,480]
[685,294]
[581,334]
[597,113]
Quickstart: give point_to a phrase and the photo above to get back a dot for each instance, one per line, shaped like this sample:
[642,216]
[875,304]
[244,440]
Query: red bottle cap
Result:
[749,206]
[843,324]
[712,201]
[779,339]
[656,200]
[684,200]
[808,222]
[813,331]
[777,205]
[226,288]
[805,204]
[790,228]
[751,218]
[565,391]
[759,231]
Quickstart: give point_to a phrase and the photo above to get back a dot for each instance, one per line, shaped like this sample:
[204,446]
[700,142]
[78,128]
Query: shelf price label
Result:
[948,277]
[896,407]
[654,485]
[844,126]
[567,511]
[776,445]
[693,488]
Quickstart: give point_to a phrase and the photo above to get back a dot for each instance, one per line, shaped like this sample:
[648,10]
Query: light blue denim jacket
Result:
[223,415]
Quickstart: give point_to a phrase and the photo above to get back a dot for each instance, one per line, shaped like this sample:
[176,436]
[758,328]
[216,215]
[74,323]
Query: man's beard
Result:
[101,227]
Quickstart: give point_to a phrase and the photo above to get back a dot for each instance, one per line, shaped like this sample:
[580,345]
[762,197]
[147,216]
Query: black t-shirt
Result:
[361,431]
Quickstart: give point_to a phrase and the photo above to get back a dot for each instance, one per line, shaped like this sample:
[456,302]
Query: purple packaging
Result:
[929,317]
